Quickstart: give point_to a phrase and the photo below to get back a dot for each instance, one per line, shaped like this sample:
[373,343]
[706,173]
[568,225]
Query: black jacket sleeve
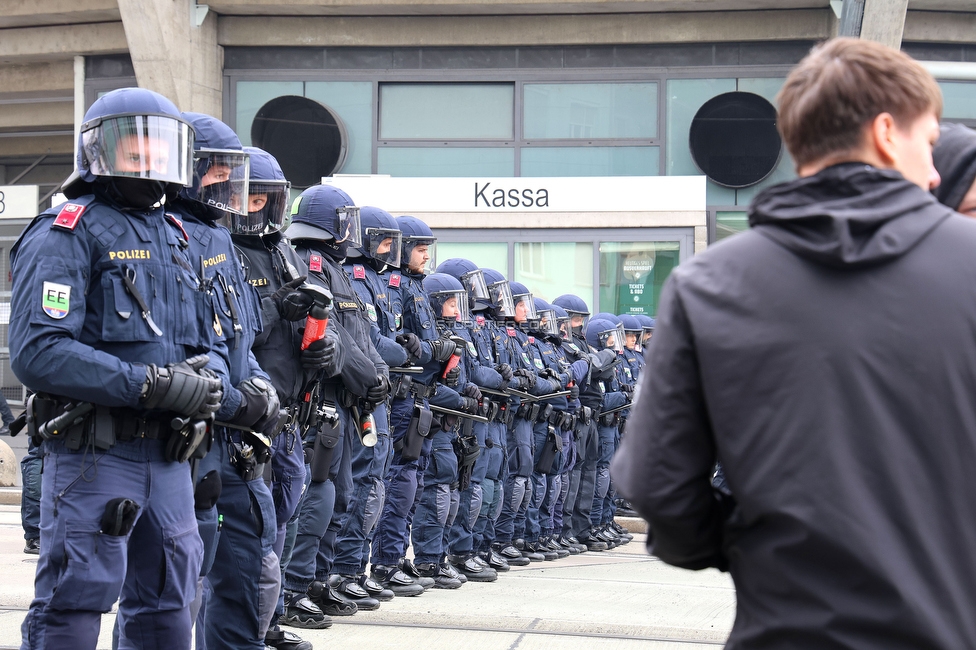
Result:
[664,463]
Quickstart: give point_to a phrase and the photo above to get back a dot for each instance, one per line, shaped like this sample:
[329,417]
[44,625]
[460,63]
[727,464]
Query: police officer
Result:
[603,334]
[518,488]
[647,324]
[633,330]
[278,274]
[325,225]
[240,563]
[378,253]
[454,449]
[410,417]
[579,498]
[483,372]
[111,327]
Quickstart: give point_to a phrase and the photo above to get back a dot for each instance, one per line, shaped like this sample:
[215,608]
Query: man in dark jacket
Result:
[826,357]
[955,159]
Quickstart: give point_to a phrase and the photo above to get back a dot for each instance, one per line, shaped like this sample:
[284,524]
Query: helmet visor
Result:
[222,177]
[524,307]
[547,322]
[409,260]
[349,227]
[454,305]
[501,295]
[267,204]
[564,327]
[383,245]
[579,319]
[474,283]
[154,147]
[613,339]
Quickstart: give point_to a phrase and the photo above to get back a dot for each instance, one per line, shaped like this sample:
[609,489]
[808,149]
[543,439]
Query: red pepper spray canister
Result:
[318,316]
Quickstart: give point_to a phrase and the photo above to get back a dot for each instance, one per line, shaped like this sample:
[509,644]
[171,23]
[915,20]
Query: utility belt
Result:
[78,424]
[404,386]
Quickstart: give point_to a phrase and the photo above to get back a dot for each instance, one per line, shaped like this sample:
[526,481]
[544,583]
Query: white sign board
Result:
[18,201]
[524,194]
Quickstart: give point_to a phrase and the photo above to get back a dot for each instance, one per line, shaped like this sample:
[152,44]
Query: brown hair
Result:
[840,87]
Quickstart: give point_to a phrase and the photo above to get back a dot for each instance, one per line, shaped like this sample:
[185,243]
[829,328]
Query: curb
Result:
[632,524]
[10,496]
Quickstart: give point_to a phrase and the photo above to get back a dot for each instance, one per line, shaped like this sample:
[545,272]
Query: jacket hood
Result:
[848,215]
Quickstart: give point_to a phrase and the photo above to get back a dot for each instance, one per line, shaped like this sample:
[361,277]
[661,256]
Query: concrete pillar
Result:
[79,69]
[884,21]
[173,56]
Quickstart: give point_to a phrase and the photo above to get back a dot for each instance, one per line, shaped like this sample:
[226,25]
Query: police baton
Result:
[407,370]
[53,427]
[459,414]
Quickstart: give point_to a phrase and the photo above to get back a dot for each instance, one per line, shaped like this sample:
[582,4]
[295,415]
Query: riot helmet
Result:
[563,323]
[269,194]
[134,147]
[605,315]
[418,244]
[448,298]
[326,214]
[381,239]
[221,169]
[632,330]
[602,334]
[524,306]
[501,294]
[579,313]
[547,318]
[647,325]
[473,280]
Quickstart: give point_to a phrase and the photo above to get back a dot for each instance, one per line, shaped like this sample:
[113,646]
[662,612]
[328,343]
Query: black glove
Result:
[529,377]
[187,388]
[411,344]
[453,377]
[259,404]
[574,392]
[291,303]
[505,371]
[320,354]
[442,348]
[470,405]
[472,391]
[378,393]
[523,383]
[627,389]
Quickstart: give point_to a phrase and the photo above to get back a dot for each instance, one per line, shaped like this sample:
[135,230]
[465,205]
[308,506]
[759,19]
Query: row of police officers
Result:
[236,424]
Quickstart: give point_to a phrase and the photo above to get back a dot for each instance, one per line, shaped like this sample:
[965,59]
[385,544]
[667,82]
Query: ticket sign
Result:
[18,201]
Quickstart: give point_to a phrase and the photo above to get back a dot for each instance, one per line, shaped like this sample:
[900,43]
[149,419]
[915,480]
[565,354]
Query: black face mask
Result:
[135,193]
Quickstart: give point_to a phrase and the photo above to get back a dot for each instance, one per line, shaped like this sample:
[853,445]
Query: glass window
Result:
[959,100]
[447,111]
[252,95]
[490,255]
[590,161]
[621,110]
[551,269]
[729,223]
[784,171]
[632,274]
[685,97]
[446,161]
[352,101]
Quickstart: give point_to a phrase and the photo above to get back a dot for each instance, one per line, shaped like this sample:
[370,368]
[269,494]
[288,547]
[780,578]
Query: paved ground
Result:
[621,599]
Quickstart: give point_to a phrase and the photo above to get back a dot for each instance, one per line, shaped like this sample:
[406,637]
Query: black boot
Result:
[374,589]
[442,579]
[495,561]
[473,570]
[349,589]
[283,640]
[392,578]
[329,601]
[528,552]
[407,566]
[302,612]
[510,554]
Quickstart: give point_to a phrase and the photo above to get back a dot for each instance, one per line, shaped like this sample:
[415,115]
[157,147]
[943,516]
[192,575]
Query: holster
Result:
[550,450]
[467,450]
[417,432]
[323,450]
[545,410]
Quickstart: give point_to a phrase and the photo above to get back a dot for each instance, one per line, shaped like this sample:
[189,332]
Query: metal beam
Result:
[61,42]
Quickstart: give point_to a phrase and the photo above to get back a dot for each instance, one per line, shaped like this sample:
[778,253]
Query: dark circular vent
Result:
[308,139]
[734,140]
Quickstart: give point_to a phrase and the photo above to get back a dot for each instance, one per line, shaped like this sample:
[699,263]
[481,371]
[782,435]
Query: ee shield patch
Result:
[315,263]
[55,299]
[68,218]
